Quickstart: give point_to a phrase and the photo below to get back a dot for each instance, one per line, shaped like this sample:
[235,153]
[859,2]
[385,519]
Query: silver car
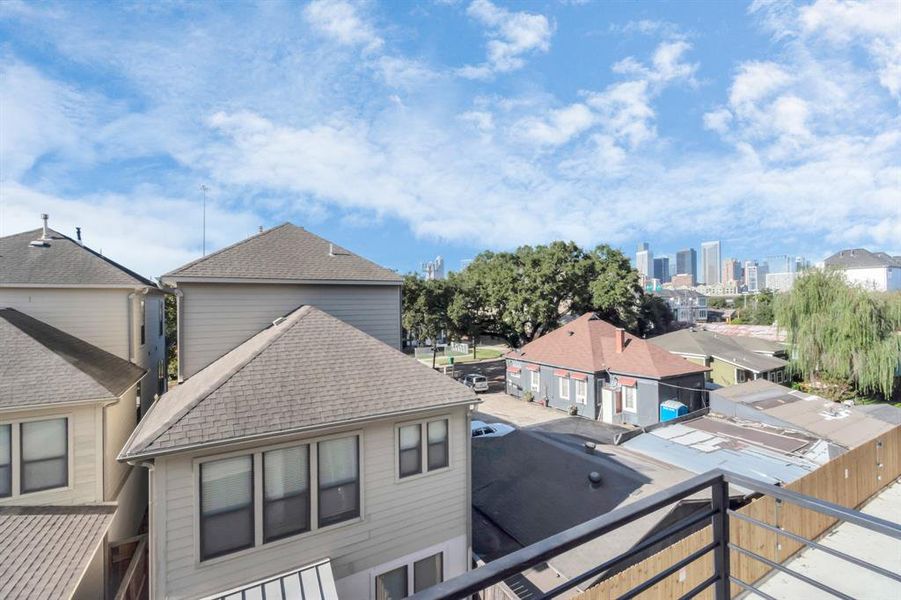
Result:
[477,383]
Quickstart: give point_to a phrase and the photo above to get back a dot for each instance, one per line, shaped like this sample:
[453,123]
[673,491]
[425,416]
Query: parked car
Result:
[483,429]
[478,383]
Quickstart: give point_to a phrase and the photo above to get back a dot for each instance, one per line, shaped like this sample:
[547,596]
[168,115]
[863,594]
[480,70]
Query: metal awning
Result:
[580,376]
[629,381]
[312,582]
[513,370]
[561,373]
[533,367]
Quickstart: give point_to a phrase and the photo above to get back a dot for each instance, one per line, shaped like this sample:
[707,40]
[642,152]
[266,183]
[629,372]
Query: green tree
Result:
[465,310]
[841,333]
[655,316]
[171,330]
[425,309]
[616,293]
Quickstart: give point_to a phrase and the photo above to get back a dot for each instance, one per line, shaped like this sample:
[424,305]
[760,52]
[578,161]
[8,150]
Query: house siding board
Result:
[400,517]
[97,316]
[723,373]
[119,421]
[219,317]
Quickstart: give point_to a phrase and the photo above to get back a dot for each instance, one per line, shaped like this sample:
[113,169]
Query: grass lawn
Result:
[481,354]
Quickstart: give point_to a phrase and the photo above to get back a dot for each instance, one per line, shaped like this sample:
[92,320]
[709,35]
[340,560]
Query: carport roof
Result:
[588,344]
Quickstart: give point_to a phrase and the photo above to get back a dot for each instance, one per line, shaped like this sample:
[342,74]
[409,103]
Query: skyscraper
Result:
[661,269]
[687,263]
[644,260]
[710,263]
[731,271]
[781,263]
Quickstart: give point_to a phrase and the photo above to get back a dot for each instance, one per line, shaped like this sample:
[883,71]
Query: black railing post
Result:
[720,501]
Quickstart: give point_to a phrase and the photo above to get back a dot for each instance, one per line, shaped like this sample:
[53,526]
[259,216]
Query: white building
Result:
[434,269]
[755,277]
[710,262]
[872,270]
[781,282]
[644,260]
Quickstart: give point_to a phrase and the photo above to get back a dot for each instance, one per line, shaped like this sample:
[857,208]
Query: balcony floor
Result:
[856,541]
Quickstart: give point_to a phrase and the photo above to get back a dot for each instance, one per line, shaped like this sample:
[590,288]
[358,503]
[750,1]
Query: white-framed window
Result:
[630,394]
[741,376]
[563,383]
[780,376]
[415,457]
[402,580]
[581,391]
[245,500]
[536,381]
[34,456]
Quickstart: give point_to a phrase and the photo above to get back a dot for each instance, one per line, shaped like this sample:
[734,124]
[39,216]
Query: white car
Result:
[483,429]
[477,383]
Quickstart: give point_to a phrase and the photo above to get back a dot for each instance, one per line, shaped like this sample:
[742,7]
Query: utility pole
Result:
[204,188]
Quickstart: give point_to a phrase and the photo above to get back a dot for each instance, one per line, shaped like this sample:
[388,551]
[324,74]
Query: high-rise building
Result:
[732,271]
[687,263]
[661,269]
[781,263]
[755,277]
[434,269]
[746,271]
[710,263]
[644,260]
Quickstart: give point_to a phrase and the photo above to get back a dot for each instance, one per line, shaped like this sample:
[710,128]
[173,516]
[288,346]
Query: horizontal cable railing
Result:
[718,514]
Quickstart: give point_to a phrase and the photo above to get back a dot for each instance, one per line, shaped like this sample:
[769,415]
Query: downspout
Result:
[179,331]
[131,327]
[152,567]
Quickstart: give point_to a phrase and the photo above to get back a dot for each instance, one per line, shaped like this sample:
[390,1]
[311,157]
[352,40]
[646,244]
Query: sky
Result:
[406,130]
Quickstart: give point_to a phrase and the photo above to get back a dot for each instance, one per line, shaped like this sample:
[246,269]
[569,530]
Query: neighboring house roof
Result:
[860,258]
[759,345]
[45,550]
[765,332]
[306,371]
[713,444]
[62,262]
[312,582]
[848,426]
[725,348]
[588,344]
[43,365]
[288,253]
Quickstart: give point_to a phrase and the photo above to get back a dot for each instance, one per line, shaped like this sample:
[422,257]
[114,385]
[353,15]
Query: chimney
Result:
[78,236]
[620,337]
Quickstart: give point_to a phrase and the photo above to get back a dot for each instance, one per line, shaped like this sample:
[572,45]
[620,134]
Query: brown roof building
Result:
[597,370]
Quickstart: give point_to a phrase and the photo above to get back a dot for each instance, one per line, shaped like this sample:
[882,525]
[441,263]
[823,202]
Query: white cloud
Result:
[755,81]
[718,120]
[559,126]
[511,35]
[341,21]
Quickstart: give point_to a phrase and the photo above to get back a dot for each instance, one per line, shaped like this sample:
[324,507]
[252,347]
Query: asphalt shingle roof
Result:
[722,347]
[860,258]
[44,550]
[40,364]
[307,371]
[588,344]
[62,262]
[285,252]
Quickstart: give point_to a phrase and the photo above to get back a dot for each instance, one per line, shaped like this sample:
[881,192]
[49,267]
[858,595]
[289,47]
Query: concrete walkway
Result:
[857,582]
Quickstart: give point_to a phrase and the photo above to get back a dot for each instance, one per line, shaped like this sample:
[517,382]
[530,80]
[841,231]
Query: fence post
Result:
[720,500]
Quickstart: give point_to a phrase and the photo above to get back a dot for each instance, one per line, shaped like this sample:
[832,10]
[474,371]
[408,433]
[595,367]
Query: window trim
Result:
[11,464]
[309,494]
[420,465]
[407,577]
[16,454]
[634,408]
[256,452]
[253,509]
[408,561]
[581,398]
[424,448]
[535,381]
[560,381]
[357,478]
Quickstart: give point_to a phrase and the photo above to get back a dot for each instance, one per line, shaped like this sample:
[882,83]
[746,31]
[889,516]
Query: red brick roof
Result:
[588,344]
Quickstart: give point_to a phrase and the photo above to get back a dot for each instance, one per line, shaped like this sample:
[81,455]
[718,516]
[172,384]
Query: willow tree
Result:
[842,333]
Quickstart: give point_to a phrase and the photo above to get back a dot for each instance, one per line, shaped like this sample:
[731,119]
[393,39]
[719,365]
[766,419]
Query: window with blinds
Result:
[44,455]
[6,460]
[339,480]
[286,492]
[410,450]
[226,506]
[438,454]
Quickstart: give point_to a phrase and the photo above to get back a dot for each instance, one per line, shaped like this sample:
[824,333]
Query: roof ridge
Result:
[293,318]
[254,236]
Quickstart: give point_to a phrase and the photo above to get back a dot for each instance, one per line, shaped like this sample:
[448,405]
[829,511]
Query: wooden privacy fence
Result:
[849,480]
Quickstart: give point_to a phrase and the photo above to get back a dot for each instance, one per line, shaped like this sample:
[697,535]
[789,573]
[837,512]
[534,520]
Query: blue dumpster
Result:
[671,409]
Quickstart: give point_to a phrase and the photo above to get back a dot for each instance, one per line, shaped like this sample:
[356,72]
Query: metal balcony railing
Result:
[719,515]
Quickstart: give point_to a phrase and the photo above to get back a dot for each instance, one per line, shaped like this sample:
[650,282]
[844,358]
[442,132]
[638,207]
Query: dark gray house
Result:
[599,371]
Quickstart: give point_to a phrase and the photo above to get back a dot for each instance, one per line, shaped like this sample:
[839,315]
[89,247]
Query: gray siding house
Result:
[228,296]
[596,370]
[274,460]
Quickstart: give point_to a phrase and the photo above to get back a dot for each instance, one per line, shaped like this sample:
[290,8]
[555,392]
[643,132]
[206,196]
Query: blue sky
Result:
[405,130]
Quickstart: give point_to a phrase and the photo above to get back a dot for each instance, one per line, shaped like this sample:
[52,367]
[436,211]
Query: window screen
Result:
[286,492]
[428,572]
[339,480]
[226,506]
[6,461]
[410,450]
[438,454]
[45,461]
[392,585]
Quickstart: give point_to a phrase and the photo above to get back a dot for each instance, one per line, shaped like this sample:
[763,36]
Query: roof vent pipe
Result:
[44,240]
[331,249]
[46,234]
[78,235]
[619,337]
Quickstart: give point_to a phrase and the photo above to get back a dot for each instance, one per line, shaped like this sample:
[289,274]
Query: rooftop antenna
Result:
[204,188]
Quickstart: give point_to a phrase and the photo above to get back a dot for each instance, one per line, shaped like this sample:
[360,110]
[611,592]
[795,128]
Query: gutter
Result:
[135,458]
[174,280]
